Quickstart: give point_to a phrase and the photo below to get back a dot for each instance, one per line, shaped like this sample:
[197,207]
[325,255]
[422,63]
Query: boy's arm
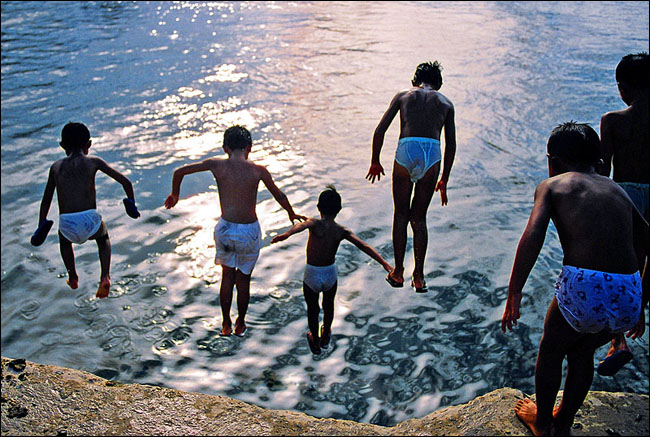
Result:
[279,196]
[179,174]
[296,228]
[530,245]
[48,194]
[376,170]
[450,154]
[641,249]
[117,176]
[369,250]
[606,145]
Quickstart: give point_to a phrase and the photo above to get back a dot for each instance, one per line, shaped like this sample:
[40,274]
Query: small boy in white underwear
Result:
[237,234]
[73,177]
[599,292]
[320,275]
[424,112]
[625,144]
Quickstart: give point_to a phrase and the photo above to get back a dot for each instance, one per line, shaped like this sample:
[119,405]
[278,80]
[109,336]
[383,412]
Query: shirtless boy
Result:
[423,114]
[73,177]
[624,138]
[237,234]
[325,235]
[598,293]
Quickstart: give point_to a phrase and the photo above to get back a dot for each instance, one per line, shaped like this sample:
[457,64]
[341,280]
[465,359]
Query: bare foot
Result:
[240,328]
[73,282]
[226,328]
[104,287]
[526,411]
[418,281]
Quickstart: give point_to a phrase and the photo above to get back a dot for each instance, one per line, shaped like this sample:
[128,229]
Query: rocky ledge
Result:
[50,400]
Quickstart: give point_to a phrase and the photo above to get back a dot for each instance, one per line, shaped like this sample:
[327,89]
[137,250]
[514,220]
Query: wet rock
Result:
[16,411]
[18,365]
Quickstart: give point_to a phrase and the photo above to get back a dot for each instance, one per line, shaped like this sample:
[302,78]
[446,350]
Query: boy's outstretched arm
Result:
[179,174]
[117,176]
[376,170]
[450,154]
[48,194]
[528,249]
[279,196]
[296,228]
[369,250]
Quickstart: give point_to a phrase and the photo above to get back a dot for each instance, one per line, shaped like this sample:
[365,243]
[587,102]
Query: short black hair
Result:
[329,201]
[633,71]
[237,137]
[428,72]
[74,136]
[576,143]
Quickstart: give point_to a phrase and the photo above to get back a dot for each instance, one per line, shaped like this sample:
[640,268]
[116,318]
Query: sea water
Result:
[157,83]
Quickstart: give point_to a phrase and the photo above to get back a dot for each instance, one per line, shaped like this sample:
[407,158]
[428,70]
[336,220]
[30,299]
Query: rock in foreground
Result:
[49,400]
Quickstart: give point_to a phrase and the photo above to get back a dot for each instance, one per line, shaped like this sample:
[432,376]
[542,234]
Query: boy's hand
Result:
[171,201]
[294,217]
[375,171]
[511,313]
[388,267]
[278,238]
[442,187]
[638,329]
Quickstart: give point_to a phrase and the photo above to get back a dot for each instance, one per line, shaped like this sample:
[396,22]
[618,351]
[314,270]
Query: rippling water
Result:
[157,83]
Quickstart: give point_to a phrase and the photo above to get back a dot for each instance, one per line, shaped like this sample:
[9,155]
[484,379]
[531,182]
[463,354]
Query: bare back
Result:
[324,239]
[237,181]
[595,222]
[625,139]
[422,113]
[74,178]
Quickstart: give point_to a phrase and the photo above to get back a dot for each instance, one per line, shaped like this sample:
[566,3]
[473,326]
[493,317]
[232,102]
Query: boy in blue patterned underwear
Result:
[599,293]
[625,144]
[424,112]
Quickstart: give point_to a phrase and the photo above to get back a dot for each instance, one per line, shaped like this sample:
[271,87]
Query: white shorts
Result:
[417,155]
[237,244]
[78,227]
[320,278]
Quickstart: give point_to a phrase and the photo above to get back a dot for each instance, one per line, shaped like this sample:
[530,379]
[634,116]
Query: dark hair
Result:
[74,136]
[329,201]
[576,143]
[428,72]
[633,71]
[237,137]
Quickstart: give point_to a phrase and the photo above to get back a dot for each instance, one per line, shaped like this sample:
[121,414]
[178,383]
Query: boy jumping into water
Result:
[624,137]
[237,234]
[73,177]
[325,235]
[423,114]
[598,293]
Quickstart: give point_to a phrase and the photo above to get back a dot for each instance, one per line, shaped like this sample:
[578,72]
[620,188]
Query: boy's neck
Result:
[238,155]
[327,217]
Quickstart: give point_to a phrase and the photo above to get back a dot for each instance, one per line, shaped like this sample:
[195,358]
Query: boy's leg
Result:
[104,249]
[243,283]
[328,315]
[313,311]
[424,190]
[67,253]
[402,189]
[225,297]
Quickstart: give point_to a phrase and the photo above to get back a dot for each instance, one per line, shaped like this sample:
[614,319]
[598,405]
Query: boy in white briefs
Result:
[599,292]
[424,112]
[237,234]
[320,275]
[73,178]
[625,148]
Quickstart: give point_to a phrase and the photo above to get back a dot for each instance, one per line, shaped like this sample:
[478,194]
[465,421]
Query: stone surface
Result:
[49,400]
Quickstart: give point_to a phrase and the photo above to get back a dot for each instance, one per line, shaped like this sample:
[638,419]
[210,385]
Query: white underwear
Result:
[78,227]
[592,301]
[417,155]
[237,244]
[320,278]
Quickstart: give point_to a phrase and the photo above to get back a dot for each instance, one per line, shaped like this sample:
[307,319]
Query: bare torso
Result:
[422,112]
[594,220]
[237,182]
[74,177]
[325,235]
[630,144]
